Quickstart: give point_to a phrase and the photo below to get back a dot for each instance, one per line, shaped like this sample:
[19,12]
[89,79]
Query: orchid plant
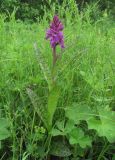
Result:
[55,35]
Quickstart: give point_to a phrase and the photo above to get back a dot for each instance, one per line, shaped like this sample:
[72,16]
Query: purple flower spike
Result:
[55,34]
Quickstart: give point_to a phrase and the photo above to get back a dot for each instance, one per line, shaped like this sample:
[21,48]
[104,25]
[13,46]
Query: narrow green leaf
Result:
[52,104]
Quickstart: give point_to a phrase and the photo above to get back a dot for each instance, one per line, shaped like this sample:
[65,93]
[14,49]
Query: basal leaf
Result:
[60,149]
[52,104]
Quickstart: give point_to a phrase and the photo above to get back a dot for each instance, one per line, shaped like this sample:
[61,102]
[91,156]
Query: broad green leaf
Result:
[79,112]
[105,126]
[85,141]
[60,149]
[52,104]
[76,136]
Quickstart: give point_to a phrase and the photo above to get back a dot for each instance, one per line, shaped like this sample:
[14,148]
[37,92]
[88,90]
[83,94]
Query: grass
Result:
[89,70]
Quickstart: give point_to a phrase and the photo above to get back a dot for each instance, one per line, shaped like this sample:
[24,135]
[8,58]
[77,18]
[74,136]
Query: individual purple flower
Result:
[55,34]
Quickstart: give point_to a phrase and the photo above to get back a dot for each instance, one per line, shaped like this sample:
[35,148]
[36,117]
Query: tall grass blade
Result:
[43,65]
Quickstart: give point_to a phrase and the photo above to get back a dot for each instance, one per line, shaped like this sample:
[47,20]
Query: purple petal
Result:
[55,34]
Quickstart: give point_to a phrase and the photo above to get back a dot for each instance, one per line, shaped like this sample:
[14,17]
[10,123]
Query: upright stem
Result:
[54,56]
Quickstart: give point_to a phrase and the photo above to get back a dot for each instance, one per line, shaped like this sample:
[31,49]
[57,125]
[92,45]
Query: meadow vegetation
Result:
[72,118]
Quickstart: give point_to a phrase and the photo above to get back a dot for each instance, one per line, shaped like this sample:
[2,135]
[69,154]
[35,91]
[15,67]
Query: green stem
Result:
[54,56]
